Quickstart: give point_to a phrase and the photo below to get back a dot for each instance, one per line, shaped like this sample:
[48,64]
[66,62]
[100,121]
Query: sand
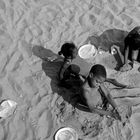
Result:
[44,107]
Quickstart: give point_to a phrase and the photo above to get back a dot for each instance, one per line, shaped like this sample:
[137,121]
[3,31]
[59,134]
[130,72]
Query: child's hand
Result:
[116,115]
[126,67]
[130,87]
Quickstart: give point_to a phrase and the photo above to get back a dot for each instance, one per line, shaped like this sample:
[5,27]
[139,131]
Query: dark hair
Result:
[98,70]
[68,50]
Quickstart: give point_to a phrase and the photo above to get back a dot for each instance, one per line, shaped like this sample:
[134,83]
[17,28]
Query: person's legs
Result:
[130,54]
[130,57]
[138,59]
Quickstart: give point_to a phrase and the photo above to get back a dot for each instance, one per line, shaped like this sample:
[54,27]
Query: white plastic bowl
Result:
[87,51]
[7,108]
[66,133]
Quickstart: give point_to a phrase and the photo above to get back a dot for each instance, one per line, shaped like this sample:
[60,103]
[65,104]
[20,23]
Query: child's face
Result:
[75,52]
[97,81]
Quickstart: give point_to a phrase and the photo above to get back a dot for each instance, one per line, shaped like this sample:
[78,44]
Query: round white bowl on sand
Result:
[87,51]
[66,133]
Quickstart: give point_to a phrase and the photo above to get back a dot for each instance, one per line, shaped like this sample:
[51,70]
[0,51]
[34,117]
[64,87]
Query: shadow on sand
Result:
[51,69]
[107,39]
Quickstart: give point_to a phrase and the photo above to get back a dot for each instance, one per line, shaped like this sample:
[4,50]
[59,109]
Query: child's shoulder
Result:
[84,87]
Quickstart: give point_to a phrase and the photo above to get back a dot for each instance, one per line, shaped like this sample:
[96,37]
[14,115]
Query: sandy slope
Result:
[33,84]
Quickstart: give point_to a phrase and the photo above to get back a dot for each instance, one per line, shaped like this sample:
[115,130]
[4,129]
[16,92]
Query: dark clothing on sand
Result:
[132,41]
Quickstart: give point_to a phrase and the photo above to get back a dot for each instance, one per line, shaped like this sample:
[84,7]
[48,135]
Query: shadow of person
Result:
[107,39]
[42,52]
[51,69]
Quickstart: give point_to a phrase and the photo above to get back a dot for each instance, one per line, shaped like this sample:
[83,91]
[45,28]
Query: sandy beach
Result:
[42,106]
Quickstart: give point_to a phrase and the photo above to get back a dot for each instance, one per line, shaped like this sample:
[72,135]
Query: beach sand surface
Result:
[31,81]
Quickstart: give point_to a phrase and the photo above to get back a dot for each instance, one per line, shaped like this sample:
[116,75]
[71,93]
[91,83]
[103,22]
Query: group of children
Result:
[93,95]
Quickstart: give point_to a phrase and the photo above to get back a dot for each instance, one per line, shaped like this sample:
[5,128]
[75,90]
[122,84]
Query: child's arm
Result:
[82,107]
[93,108]
[107,94]
[126,49]
[63,68]
[126,54]
[101,112]
[135,55]
[116,83]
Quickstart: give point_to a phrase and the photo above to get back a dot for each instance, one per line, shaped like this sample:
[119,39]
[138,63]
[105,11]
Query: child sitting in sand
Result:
[132,49]
[94,95]
[68,71]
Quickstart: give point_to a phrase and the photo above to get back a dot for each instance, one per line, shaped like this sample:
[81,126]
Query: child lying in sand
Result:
[132,49]
[94,95]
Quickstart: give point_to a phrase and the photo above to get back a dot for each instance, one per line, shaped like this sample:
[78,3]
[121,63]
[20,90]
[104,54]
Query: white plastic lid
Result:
[66,133]
[87,51]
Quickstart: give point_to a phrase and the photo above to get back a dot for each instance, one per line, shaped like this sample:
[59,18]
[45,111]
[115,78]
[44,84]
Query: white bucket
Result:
[87,51]
[66,133]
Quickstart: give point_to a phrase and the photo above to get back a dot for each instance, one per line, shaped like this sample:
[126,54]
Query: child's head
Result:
[68,50]
[97,75]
